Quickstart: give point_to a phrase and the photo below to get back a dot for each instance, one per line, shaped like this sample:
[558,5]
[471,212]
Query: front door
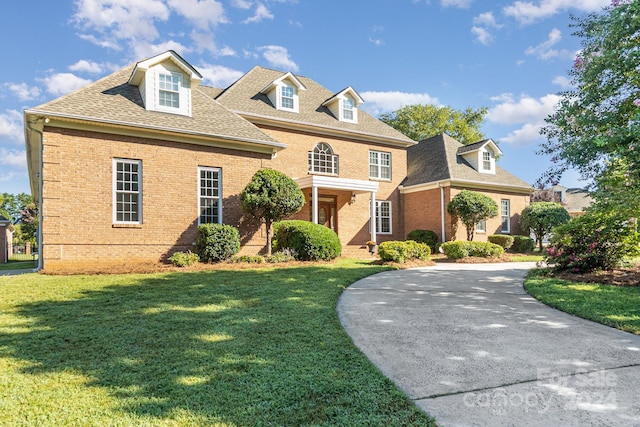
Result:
[327,212]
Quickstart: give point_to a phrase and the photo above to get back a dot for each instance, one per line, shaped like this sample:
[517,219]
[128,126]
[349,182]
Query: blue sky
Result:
[510,56]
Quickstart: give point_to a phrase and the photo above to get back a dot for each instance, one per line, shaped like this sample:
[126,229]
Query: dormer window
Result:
[169,85]
[165,82]
[344,105]
[486,161]
[287,98]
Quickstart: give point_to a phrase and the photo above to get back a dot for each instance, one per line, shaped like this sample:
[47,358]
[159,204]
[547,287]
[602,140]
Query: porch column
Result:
[314,206]
[372,220]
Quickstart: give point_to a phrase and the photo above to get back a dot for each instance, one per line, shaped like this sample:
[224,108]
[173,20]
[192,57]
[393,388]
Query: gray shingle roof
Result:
[112,99]
[244,97]
[437,159]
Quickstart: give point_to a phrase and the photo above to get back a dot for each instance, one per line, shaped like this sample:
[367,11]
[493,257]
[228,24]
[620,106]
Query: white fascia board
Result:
[329,182]
[479,185]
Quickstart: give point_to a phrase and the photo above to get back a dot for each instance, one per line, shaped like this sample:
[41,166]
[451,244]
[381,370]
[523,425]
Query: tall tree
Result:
[271,196]
[422,121]
[596,127]
[540,218]
[11,205]
[472,207]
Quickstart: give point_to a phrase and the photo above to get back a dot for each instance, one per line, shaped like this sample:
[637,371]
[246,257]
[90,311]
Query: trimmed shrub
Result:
[463,249]
[311,242]
[249,259]
[522,244]
[183,259]
[284,255]
[401,252]
[503,240]
[425,236]
[217,242]
[593,241]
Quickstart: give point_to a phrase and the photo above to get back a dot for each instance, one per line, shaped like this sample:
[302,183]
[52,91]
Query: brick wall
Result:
[4,255]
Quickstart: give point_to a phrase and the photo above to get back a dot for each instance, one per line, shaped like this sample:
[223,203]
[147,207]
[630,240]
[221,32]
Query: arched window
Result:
[322,159]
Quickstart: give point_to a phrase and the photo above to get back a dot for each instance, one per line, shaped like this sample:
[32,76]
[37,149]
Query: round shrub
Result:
[503,240]
[311,242]
[401,252]
[522,244]
[183,259]
[463,249]
[425,236]
[217,242]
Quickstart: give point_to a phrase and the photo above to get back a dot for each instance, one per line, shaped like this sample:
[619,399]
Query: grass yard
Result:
[18,265]
[616,306]
[207,348]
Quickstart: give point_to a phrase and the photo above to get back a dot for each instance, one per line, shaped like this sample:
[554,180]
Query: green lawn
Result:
[616,306]
[18,265]
[229,348]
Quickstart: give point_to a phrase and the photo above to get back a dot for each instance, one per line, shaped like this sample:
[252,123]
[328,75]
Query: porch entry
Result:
[328,212]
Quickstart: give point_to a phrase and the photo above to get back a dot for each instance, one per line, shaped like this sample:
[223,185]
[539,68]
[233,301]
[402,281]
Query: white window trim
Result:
[481,227]
[507,217]
[334,160]
[114,185]
[492,161]
[184,103]
[379,166]
[200,197]
[378,217]
[342,110]
[295,98]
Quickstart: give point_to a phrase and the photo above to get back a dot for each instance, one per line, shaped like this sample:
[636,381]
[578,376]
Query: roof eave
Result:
[479,185]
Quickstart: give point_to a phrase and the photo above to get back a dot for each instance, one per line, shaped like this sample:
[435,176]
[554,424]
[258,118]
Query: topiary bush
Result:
[311,242]
[425,236]
[503,240]
[464,249]
[217,242]
[401,252]
[183,259]
[593,241]
[522,244]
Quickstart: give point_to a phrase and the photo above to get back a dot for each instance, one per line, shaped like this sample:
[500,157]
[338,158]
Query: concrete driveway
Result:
[472,348]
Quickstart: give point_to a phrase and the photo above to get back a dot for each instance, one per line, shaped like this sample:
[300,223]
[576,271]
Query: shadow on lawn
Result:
[245,347]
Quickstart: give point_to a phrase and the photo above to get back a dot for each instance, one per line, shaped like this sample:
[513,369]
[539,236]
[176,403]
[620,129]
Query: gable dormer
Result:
[344,105]
[481,155]
[165,82]
[284,92]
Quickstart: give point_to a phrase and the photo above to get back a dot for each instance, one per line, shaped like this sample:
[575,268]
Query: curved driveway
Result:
[472,348]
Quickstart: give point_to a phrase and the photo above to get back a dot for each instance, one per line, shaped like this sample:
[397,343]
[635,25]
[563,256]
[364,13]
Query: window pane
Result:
[209,196]
[127,191]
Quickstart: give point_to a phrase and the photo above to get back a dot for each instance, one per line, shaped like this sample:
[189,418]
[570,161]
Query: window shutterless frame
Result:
[127,191]
[379,165]
[383,217]
[209,195]
[505,215]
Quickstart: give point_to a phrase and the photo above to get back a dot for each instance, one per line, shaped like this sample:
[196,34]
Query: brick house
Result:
[130,165]
[440,167]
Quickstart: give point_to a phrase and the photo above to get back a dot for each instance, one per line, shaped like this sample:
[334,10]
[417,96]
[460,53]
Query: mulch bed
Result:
[618,277]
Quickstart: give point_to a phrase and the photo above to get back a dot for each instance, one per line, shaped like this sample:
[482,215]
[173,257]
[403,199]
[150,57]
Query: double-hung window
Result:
[505,215]
[347,109]
[127,191]
[486,161]
[169,86]
[209,195]
[481,226]
[379,165]
[287,94]
[383,217]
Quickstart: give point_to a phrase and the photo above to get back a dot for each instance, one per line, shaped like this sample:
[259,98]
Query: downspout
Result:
[40,180]
[442,216]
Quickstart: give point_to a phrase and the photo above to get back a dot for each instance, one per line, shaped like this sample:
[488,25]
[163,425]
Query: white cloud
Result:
[146,50]
[241,4]
[527,12]
[462,4]
[526,111]
[11,126]
[121,19]
[545,50]
[483,36]
[384,102]
[204,14]
[61,83]
[23,91]
[218,76]
[85,66]
[13,158]
[563,81]
[108,43]
[278,56]
[261,14]
[376,42]
[486,19]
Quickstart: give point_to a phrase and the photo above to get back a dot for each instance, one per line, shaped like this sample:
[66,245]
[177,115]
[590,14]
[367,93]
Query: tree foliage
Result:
[472,207]
[271,196]
[11,205]
[422,121]
[540,218]
[596,127]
